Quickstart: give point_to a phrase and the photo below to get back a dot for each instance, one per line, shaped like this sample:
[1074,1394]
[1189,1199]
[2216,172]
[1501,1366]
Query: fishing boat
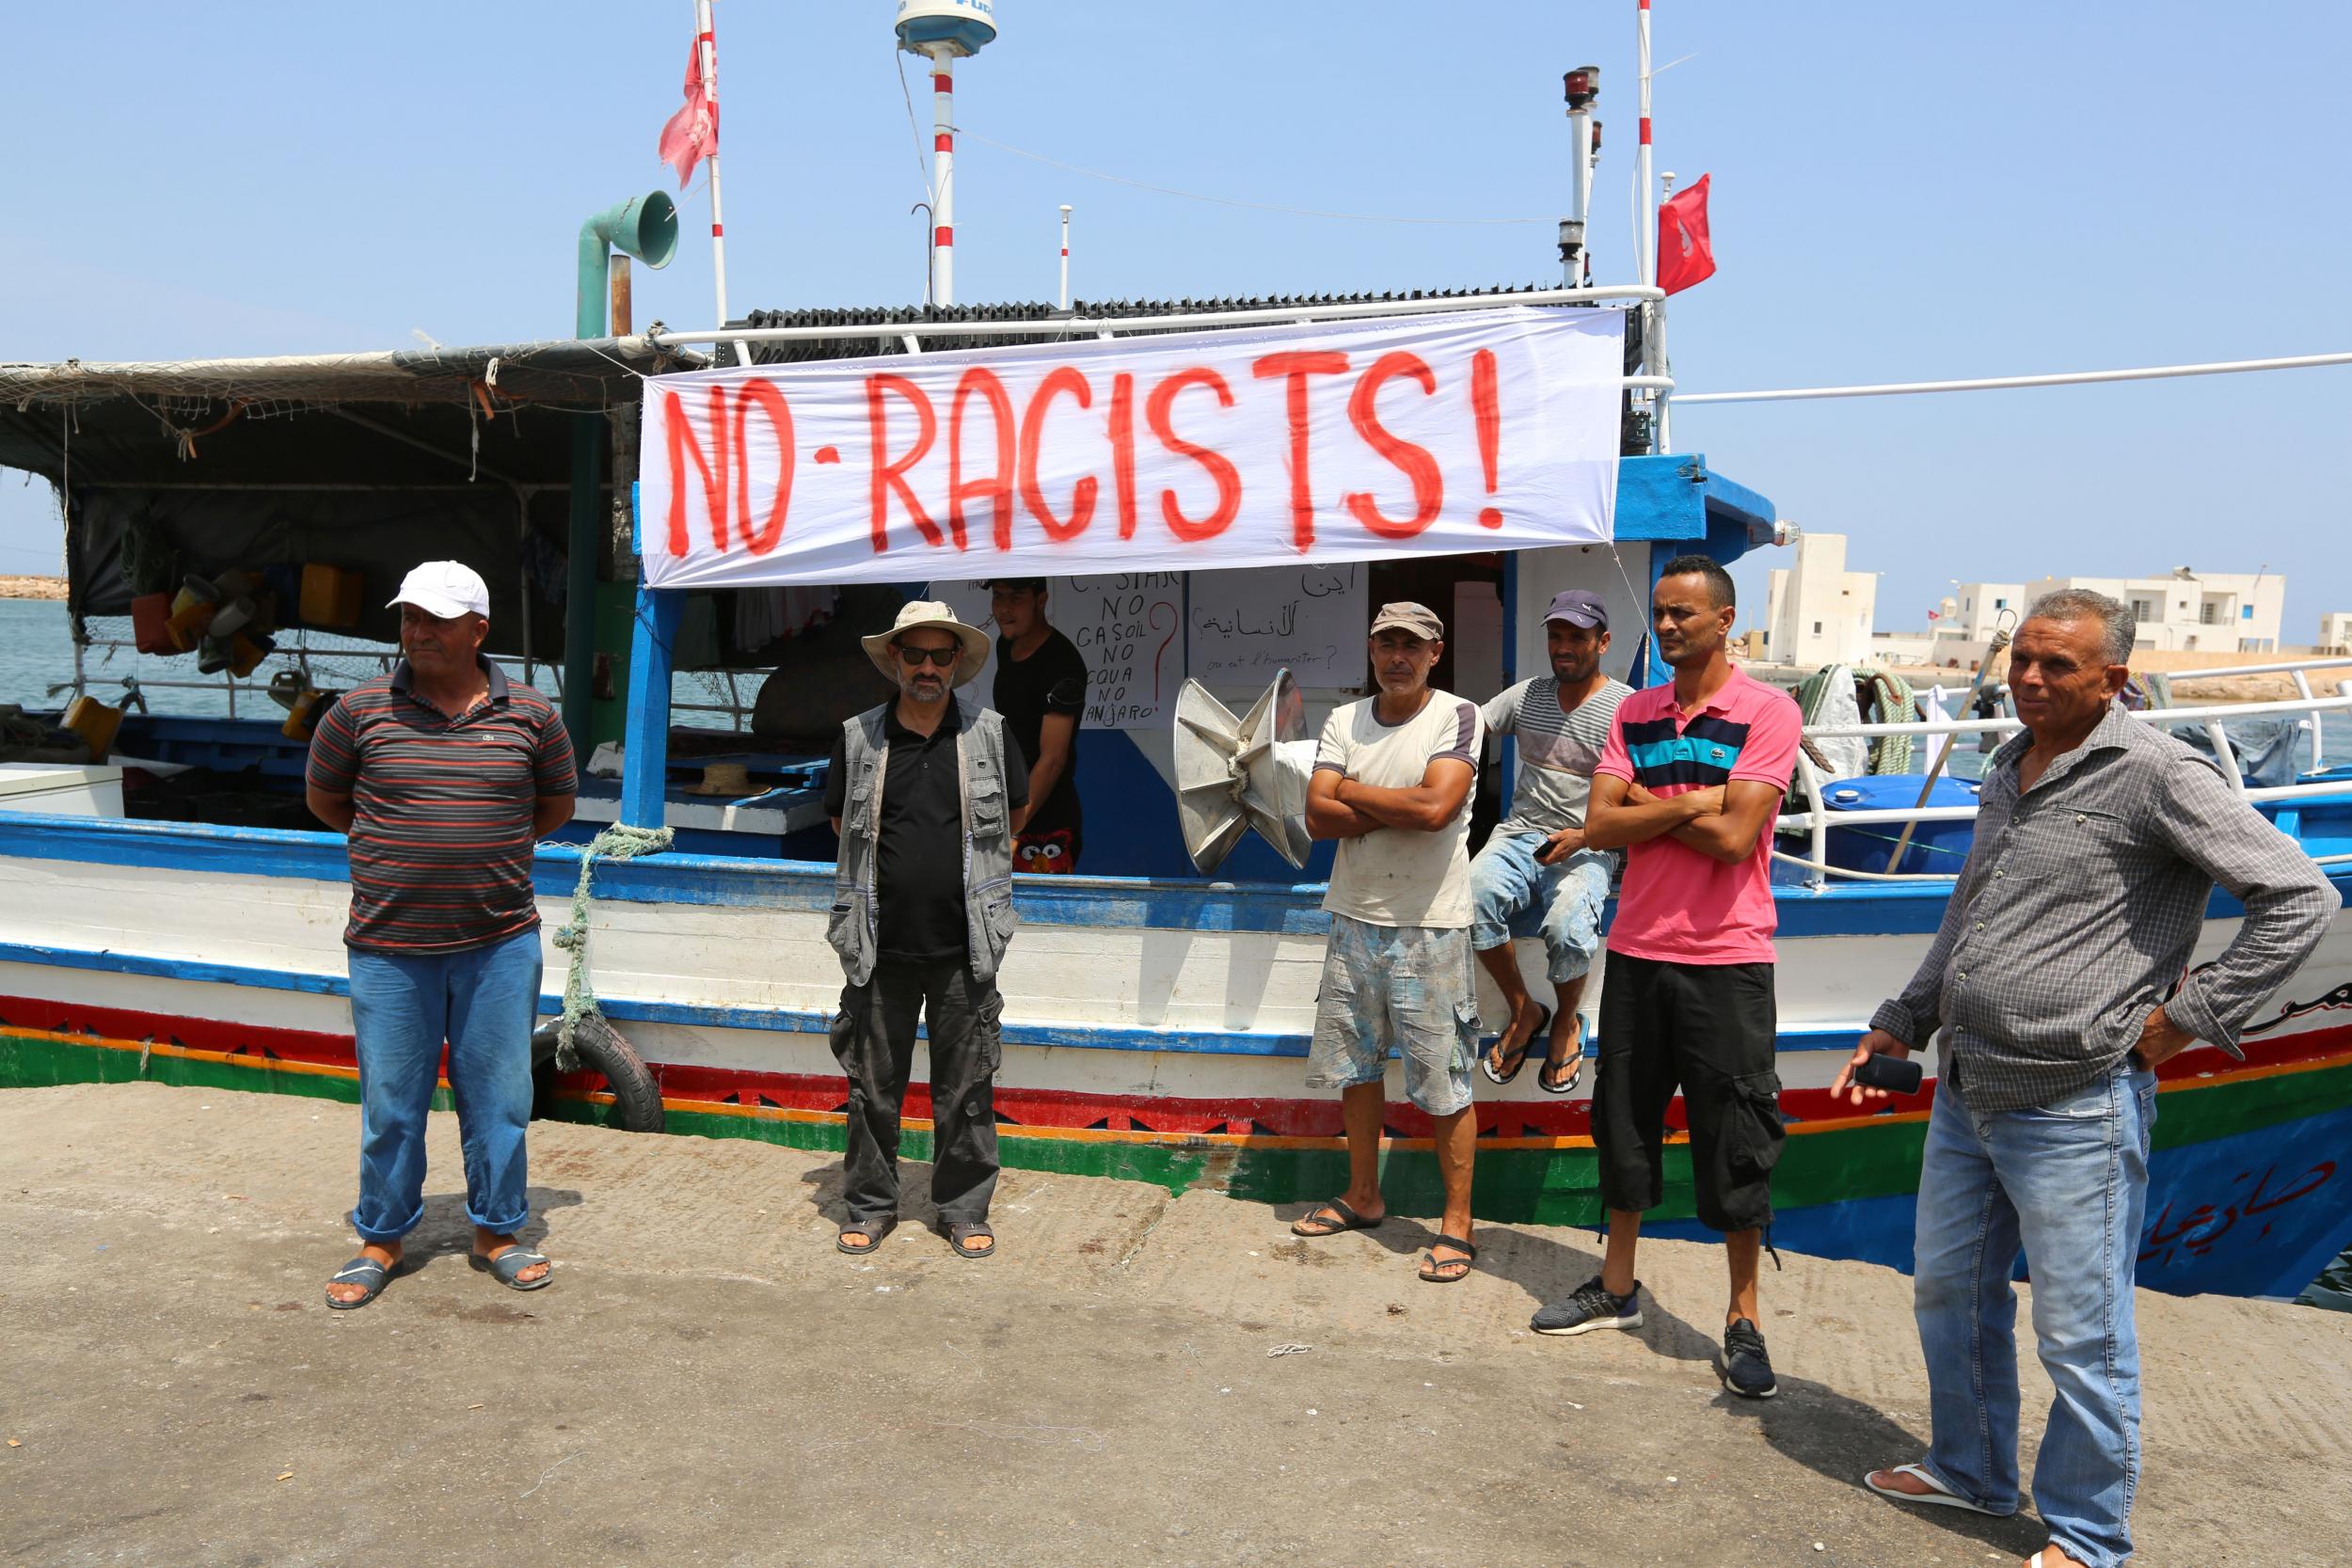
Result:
[1155,1018]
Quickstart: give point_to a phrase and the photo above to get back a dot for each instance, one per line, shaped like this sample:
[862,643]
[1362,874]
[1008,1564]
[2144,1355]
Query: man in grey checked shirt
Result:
[2057,979]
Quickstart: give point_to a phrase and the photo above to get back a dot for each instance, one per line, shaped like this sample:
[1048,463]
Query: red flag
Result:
[1686,254]
[693,132]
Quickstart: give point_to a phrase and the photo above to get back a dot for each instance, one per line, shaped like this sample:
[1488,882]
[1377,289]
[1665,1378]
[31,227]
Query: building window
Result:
[1817,629]
[2245,613]
[2001,604]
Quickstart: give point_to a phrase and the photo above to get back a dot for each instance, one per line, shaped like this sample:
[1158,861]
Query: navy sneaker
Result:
[1747,1371]
[1589,1307]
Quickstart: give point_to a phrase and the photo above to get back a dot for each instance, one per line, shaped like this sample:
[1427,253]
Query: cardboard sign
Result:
[1126,628]
[1320,444]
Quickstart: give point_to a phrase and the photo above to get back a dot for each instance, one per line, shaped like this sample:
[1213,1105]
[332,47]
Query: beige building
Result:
[1818,612]
[2191,612]
[2335,632]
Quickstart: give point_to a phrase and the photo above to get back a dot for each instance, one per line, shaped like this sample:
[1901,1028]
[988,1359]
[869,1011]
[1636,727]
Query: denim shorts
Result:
[1506,881]
[1407,987]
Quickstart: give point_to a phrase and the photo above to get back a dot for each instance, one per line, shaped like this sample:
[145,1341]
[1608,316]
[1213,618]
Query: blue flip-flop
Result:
[507,1264]
[361,1270]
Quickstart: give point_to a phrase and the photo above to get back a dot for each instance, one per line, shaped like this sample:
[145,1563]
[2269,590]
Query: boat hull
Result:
[1154,1032]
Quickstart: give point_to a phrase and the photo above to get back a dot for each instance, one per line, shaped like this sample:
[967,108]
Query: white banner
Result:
[1430,435]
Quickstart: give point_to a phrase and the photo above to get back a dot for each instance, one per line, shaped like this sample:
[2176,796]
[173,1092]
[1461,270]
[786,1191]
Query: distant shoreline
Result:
[32,588]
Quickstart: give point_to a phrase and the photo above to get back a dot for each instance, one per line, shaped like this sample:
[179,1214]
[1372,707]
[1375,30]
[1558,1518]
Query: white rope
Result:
[1996,383]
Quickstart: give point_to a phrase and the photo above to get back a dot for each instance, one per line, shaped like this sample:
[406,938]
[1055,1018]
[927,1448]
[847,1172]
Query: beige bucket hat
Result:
[918,614]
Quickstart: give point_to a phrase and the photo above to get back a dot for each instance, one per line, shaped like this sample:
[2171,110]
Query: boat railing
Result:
[2215,720]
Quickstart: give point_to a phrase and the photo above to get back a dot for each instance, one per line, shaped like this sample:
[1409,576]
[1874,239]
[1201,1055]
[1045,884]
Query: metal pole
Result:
[1580,199]
[1065,256]
[943,174]
[1660,363]
[706,46]
[622,314]
[1645,237]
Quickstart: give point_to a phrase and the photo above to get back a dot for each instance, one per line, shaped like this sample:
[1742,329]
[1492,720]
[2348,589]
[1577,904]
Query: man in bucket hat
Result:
[926,797]
[445,775]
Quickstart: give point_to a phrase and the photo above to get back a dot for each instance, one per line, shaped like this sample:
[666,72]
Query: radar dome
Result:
[959,27]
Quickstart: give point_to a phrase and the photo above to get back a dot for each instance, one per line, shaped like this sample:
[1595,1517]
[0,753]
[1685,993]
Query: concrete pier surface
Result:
[1137,1379]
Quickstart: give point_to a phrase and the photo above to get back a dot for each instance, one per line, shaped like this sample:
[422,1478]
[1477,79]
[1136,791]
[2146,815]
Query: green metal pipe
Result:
[645,227]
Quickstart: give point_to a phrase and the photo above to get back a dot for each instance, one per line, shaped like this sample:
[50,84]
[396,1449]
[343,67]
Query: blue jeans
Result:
[1506,878]
[2067,1183]
[483,1002]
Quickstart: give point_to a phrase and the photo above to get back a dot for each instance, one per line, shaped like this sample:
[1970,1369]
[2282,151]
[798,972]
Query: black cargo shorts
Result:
[1708,1031]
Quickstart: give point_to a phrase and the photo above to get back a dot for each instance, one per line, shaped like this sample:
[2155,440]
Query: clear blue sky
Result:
[1901,191]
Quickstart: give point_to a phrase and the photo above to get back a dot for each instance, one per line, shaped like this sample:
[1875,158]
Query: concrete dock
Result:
[1137,1379]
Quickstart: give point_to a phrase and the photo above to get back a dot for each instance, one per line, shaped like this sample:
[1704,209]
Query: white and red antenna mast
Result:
[1065,255]
[707,52]
[943,31]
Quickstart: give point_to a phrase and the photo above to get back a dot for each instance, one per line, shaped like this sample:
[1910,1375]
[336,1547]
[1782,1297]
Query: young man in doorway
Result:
[1689,786]
[1042,691]
[1392,782]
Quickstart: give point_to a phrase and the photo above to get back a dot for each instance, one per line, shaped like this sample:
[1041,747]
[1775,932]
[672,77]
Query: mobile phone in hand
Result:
[1896,1075]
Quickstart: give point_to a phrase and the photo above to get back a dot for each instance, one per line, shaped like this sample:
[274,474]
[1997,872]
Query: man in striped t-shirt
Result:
[444,775]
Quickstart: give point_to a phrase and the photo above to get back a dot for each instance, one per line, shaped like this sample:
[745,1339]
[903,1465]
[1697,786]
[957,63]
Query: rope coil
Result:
[619,842]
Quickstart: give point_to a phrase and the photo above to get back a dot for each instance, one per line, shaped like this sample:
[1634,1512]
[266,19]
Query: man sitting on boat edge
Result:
[1536,857]
[444,776]
[926,796]
[1392,783]
[2057,979]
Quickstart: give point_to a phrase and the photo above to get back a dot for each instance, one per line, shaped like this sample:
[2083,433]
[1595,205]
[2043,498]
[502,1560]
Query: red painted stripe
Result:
[1645,133]
[943,143]
[716,233]
[941,82]
[946,235]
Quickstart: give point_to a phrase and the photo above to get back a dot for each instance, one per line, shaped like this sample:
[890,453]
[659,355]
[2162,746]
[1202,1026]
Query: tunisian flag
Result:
[693,132]
[1686,254]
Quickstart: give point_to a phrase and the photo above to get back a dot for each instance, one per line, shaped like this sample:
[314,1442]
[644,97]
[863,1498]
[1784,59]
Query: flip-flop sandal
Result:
[1431,1263]
[361,1270]
[507,1264]
[1348,1218]
[873,1234]
[1938,1494]
[1527,1049]
[959,1238]
[1575,1073]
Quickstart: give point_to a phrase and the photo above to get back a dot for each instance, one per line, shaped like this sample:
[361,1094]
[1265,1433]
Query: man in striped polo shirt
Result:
[444,775]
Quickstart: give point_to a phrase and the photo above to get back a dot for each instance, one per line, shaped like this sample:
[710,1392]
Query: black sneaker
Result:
[1747,1370]
[1590,1307]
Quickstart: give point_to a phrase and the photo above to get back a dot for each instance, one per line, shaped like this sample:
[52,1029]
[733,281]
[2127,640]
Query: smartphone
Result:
[1899,1074]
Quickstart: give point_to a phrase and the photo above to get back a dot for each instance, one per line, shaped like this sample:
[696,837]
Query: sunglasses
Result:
[945,657]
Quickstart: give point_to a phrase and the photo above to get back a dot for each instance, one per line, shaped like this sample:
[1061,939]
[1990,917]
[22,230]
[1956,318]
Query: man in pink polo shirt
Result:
[1689,785]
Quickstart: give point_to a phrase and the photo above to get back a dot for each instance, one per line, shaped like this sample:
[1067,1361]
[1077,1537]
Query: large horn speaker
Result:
[1235,774]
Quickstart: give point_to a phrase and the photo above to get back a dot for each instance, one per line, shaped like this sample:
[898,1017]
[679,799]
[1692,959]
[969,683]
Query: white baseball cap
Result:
[444,588]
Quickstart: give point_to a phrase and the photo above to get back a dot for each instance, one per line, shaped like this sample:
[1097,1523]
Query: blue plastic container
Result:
[1937,847]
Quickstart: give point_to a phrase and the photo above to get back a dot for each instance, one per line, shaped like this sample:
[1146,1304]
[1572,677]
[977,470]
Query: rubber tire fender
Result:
[603,1050]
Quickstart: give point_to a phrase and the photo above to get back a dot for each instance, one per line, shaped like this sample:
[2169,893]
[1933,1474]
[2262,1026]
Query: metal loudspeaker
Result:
[1235,774]
[645,227]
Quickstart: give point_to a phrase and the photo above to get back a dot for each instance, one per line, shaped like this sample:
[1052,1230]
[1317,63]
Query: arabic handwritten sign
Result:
[1311,619]
[1436,433]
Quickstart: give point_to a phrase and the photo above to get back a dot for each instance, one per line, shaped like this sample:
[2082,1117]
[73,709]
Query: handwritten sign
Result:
[1438,434]
[1128,628]
[1310,620]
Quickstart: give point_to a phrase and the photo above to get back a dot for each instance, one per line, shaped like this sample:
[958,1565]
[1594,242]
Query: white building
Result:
[1975,611]
[2335,632]
[2193,611]
[1818,611]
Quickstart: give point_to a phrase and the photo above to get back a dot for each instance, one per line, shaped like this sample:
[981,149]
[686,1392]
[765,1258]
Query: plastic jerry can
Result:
[330,597]
[96,724]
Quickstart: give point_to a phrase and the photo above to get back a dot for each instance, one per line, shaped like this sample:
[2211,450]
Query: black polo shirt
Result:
[919,880]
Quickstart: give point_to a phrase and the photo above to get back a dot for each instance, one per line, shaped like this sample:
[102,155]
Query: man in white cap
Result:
[926,797]
[445,775]
[1392,782]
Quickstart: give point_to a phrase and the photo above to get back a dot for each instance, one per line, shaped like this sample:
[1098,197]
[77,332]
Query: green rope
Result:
[619,842]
